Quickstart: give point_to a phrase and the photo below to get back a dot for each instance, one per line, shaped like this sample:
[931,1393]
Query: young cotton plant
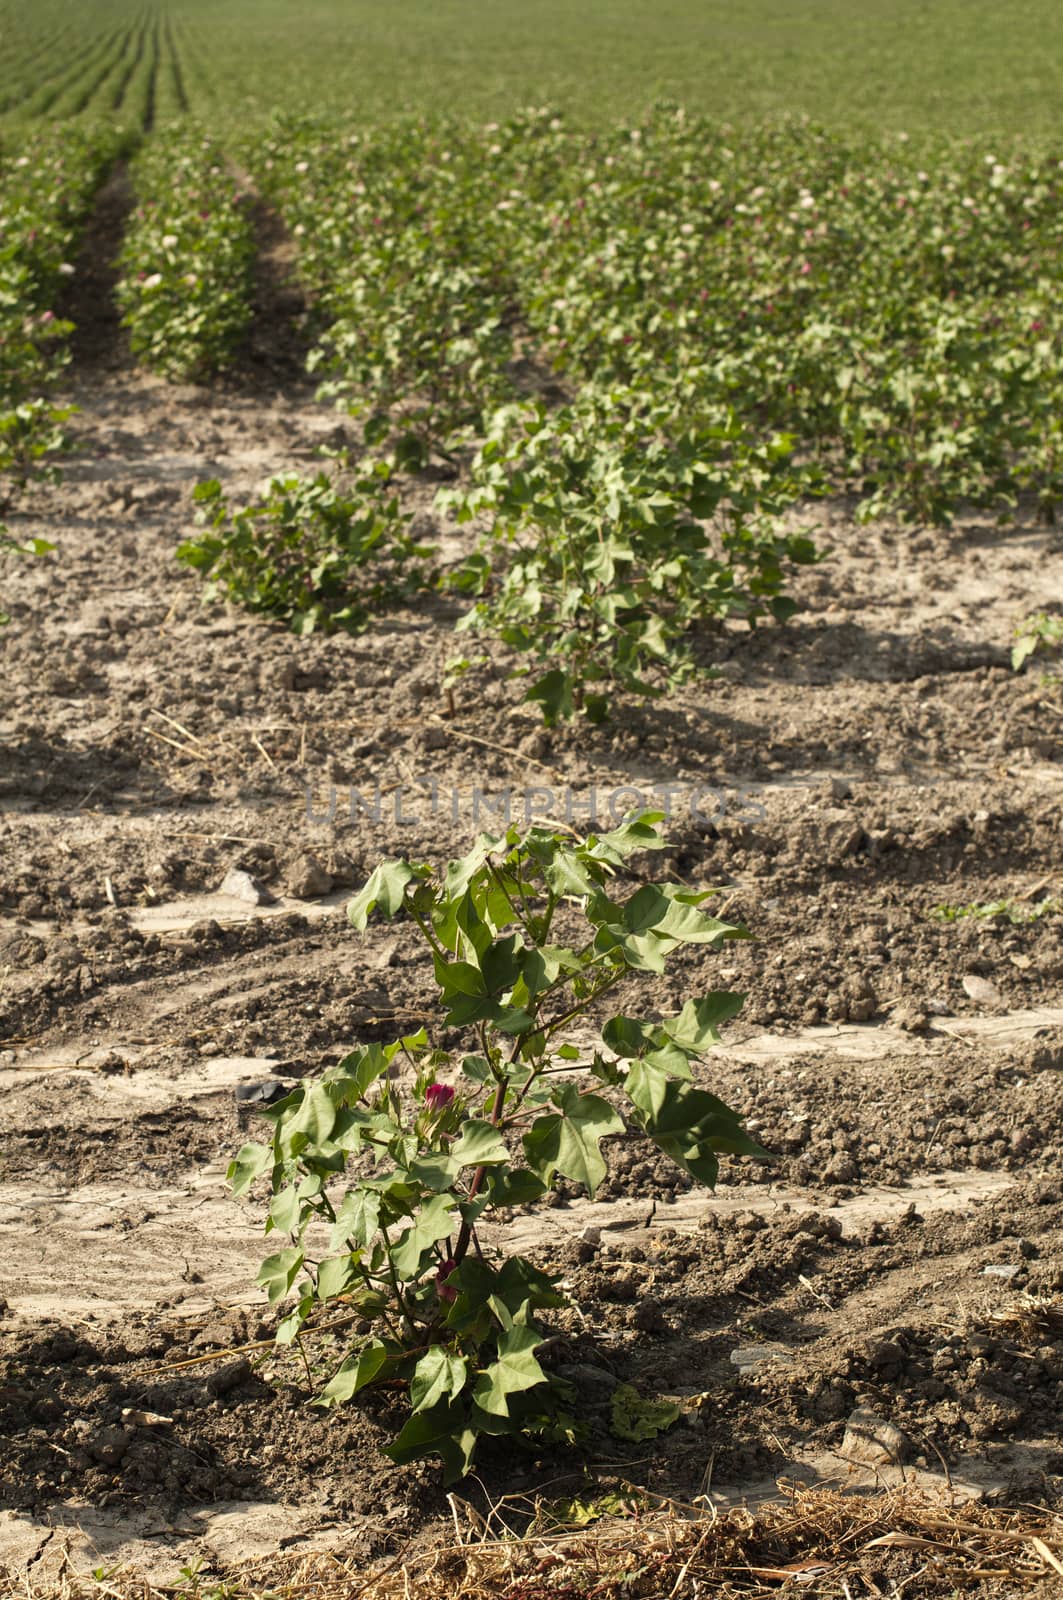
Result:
[385,1170]
[315,554]
[1037,635]
[614,532]
[28,547]
[185,285]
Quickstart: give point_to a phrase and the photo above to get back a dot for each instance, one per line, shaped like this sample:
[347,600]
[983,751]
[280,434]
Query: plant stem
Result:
[465,1232]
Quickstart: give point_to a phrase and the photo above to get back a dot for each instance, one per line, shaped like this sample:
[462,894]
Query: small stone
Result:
[840,789]
[981,990]
[242,886]
[384,955]
[887,1356]
[841,1168]
[307,879]
[535,744]
[216,1335]
[108,1445]
[145,1419]
[263,1092]
[584,1376]
[433,738]
[649,1318]
[229,1377]
[871,1439]
[109,1063]
[1002,1269]
[912,1017]
[744,1356]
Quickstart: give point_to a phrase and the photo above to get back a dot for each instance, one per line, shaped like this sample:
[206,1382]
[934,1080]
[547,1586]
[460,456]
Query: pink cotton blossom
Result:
[442,1288]
[438,1096]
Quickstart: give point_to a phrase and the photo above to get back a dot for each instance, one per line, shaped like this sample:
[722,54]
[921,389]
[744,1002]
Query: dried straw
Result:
[818,1543]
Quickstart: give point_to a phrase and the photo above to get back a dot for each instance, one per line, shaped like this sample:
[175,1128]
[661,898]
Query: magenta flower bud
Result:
[442,1288]
[438,1096]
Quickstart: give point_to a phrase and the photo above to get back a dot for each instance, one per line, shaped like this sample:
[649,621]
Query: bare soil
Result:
[875,759]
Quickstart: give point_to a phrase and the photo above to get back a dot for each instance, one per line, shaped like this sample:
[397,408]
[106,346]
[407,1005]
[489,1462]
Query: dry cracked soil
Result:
[841,778]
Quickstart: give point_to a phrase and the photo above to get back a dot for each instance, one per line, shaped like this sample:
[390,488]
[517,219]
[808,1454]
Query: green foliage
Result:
[402,249]
[185,281]
[896,313]
[636,1418]
[30,547]
[972,67]
[383,1170]
[316,556]
[577,1512]
[1004,911]
[614,539]
[1040,635]
[47,181]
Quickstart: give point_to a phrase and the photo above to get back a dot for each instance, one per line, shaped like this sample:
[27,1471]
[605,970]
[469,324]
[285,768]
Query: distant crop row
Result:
[47,185]
[902,322]
[138,69]
[638,356]
[186,260]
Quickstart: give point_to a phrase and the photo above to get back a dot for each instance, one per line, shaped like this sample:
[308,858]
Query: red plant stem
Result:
[465,1233]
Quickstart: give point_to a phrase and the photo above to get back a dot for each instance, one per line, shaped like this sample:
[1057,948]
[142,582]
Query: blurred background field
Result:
[922,66]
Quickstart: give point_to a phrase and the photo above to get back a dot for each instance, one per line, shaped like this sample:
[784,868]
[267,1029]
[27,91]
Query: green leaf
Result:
[459,977]
[286,1209]
[361,1068]
[554,693]
[567,1141]
[638,1419]
[436,1169]
[637,833]
[630,1037]
[515,1369]
[357,1371]
[569,876]
[385,891]
[277,1273]
[479,1145]
[251,1162]
[433,1222]
[688,1124]
[311,1122]
[357,1219]
[518,1187]
[695,1026]
[437,1375]
[334,1276]
[443,1431]
[576,1513]
[476,1069]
